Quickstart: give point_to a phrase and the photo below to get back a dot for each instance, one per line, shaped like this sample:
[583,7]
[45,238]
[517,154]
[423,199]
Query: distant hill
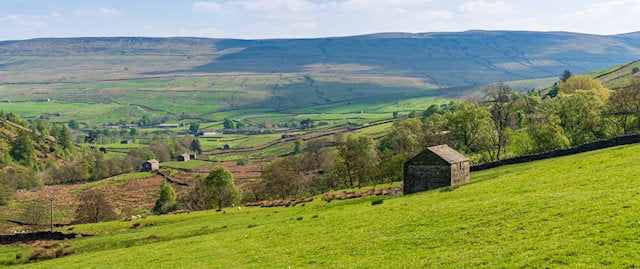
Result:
[443,59]
[106,80]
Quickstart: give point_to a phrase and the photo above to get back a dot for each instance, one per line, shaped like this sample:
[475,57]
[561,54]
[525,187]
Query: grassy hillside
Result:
[618,76]
[573,211]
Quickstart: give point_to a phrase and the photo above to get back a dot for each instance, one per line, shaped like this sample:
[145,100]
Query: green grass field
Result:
[574,211]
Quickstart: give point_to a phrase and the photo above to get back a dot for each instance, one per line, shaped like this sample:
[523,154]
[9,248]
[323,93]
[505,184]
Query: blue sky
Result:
[258,19]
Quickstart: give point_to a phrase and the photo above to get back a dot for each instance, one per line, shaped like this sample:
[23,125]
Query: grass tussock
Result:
[48,251]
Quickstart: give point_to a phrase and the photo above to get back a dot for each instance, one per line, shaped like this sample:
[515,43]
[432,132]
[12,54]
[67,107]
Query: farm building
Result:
[193,156]
[150,165]
[436,167]
[184,157]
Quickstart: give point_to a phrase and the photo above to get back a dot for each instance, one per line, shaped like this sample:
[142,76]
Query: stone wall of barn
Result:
[419,178]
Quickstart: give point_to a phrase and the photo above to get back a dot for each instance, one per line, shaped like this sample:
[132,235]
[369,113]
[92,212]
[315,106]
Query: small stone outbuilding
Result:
[150,165]
[436,167]
[184,157]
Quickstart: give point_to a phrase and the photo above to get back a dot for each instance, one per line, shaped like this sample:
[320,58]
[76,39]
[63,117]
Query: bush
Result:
[377,201]
[243,161]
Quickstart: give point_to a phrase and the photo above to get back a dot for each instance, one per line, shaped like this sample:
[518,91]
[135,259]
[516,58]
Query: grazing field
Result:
[573,211]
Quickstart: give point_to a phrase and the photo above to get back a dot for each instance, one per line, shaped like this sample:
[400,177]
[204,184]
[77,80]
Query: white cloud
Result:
[613,16]
[481,7]
[101,11]
[207,6]
[105,11]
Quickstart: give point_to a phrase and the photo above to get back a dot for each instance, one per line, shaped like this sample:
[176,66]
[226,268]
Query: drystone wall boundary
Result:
[601,144]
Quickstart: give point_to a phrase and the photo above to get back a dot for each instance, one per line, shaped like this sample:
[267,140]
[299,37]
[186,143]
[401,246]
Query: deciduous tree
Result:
[166,201]
[221,188]
[94,208]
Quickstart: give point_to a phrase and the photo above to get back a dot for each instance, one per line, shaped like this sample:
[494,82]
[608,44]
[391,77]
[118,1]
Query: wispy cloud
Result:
[207,6]
[102,11]
[603,16]
[480,7]
[26,22]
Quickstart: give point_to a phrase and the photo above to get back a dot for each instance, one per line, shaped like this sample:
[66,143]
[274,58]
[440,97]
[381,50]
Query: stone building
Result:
[150,165]
[184,157]
[436,167]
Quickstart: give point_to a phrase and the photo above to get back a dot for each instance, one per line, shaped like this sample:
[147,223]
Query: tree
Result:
[501,97]
[635,69]
[358,156]
[145,121]
[36,213]
[197,197]
[565,75]
[546,133]
[584,83]
[166,201]
[228,124]
[195,145]
[406,137]
[314,154]
[94,208]
[297,146]
[625,104]
[221,188]
[64,139]
[467,121]
[91,136]
[306,124]
[22,149]
[73,124]
[433,109]
[194,127]
[580,115]
[280,178]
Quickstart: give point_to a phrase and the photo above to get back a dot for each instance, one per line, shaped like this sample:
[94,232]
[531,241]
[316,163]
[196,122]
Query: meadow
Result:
[573,211]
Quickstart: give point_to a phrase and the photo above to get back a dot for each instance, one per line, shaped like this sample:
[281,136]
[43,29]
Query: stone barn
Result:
[184,157]
[150,165]
[436,167]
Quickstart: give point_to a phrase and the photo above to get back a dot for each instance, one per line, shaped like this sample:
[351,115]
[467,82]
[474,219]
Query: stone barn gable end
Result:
[150,165]
[184,157]
[435,167]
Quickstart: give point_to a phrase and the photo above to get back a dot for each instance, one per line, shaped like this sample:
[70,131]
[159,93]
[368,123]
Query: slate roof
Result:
[448,154]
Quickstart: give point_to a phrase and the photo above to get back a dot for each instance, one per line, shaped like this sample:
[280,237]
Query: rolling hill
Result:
[442,59]
[572,211]
[198,76]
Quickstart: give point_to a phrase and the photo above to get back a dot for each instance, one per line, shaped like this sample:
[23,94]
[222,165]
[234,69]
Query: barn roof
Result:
[448,154]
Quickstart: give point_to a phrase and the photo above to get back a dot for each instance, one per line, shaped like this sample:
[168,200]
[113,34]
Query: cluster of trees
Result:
[29,147]
[230,124]
[216,190]
[503,124]
[506,123]
[355,161]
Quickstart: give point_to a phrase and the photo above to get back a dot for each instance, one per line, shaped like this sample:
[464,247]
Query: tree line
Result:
[501,124]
